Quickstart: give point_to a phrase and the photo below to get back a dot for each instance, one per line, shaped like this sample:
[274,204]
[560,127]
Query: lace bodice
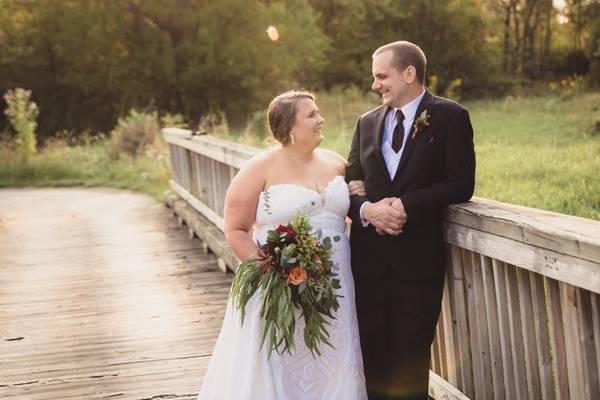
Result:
[282,202]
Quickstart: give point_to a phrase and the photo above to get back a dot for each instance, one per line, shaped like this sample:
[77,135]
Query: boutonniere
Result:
[421,123]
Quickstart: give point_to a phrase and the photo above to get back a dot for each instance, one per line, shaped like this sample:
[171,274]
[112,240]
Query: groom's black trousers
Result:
[397,320]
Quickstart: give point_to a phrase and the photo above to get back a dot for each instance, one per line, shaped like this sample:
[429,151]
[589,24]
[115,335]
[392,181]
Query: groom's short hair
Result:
[406,54]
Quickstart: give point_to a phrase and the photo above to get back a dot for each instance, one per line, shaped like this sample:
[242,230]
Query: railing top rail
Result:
[578,237]
[225,151]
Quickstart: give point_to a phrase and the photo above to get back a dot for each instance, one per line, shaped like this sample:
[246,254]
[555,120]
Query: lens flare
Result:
[272,33]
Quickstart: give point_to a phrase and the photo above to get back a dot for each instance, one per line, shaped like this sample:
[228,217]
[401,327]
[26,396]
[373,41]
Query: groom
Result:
[415,155]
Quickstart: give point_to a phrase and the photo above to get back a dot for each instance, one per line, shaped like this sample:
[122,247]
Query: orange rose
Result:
[297,276]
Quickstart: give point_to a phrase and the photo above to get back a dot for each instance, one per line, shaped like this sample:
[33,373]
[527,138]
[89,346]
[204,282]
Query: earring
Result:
[292,137]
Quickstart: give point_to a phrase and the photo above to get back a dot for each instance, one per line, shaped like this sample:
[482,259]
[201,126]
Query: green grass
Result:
[86,165]
[541,152]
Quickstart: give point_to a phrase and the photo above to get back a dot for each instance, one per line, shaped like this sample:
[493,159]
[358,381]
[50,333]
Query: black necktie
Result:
[398,135]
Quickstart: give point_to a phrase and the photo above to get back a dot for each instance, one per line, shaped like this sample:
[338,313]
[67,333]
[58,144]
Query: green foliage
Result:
[569,86]
[89,166]
[173,121]
[450,34]
[257,125]
[22,114]
[135,133]
[90,62]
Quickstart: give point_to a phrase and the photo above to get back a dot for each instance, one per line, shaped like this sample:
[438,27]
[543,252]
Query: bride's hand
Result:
[357,188]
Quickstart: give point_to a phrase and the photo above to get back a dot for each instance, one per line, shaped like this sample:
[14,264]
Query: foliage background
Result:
[89,62]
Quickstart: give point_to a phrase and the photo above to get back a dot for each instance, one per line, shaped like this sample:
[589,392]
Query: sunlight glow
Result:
[272,33]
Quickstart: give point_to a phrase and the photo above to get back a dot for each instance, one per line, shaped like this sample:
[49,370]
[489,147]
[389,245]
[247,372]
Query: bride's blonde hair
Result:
[282,113]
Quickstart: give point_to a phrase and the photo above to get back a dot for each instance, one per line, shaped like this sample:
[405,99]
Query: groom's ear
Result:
[410,74]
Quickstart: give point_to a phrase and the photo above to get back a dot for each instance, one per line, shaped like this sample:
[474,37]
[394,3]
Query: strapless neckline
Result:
[322,195]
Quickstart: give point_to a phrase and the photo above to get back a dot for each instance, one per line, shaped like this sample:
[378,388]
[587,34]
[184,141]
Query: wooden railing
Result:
[521,311]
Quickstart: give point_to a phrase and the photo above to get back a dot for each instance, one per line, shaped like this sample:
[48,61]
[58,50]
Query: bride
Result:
[273,187]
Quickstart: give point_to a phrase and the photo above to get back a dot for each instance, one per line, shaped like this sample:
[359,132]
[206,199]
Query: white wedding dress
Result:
[239,370]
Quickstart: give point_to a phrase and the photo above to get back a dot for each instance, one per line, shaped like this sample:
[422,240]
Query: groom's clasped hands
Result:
[387,215]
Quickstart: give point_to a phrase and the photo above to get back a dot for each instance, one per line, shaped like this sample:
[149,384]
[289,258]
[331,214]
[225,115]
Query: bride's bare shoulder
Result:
[258,167]
[334,159]
[263,159]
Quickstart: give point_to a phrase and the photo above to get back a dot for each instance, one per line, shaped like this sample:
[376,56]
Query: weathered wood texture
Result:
[520,317]
[102,295]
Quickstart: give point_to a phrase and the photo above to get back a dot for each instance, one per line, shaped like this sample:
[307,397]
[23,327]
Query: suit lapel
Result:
[379,128]
[410,142]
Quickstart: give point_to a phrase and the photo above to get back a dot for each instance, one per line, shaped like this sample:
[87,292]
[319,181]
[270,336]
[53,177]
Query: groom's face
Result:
[388,81]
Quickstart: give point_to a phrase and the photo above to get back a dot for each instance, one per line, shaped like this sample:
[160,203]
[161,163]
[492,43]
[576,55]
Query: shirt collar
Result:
[409,110]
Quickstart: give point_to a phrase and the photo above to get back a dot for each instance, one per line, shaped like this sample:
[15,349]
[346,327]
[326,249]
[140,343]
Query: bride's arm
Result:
[240,208]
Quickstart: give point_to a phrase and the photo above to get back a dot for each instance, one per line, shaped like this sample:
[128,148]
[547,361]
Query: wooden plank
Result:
[571,328]
[491,314]
[498,269]
[531,359]
[588,349]
[516,332]
[577,237]
[206,182]
[435,355]
[195,182]
[595,303]
[210,234]
[214,188]
[131,310]
[560,381]
[223,182]
[440,389]
[478,332]
[461,322]
[221,150]
[449,328]
[540,326]
[442,367]
[562,267]
[202,208]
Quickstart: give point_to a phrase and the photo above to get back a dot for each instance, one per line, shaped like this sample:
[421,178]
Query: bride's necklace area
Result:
[302,165]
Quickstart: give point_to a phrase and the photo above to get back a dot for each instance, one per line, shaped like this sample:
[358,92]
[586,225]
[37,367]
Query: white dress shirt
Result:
[391,158]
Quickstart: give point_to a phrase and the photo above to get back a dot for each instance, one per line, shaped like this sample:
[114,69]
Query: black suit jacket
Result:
[437,168]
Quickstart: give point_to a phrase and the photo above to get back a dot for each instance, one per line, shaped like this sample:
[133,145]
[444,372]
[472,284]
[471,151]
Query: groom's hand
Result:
[385,218]
[357,188]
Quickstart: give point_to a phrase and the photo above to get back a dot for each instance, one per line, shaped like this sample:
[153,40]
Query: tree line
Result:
[89,62]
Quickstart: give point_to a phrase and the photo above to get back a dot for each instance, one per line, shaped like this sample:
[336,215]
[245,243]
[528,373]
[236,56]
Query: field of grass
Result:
[85,165]
[541,152]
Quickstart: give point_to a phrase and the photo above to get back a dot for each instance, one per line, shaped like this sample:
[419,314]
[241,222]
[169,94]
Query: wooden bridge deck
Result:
[102,296]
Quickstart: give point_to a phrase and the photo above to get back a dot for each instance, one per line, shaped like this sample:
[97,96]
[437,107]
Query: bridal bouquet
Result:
[293,269]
